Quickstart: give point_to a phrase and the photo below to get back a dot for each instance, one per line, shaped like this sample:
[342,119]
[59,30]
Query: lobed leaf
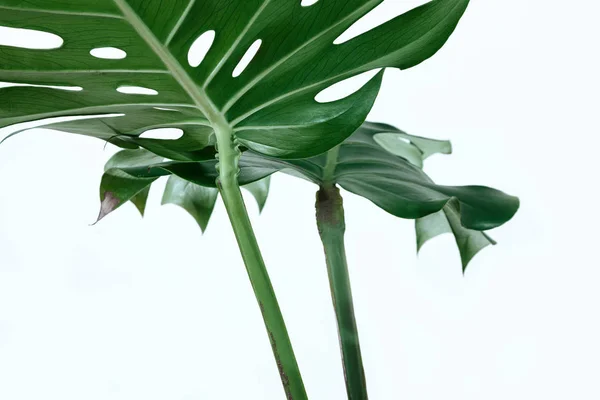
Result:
[270,106]
[365,168]
[378,162]
[129,175]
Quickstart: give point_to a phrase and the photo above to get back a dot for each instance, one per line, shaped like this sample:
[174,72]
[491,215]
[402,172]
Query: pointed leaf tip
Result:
[141,199]
[119,186]
[260,191]
[109,203]
[198,201]
[469,242]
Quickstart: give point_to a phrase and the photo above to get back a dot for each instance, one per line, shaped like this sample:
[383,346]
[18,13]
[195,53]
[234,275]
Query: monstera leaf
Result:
[270,107]
[247,105]
[378,162]
[118,186]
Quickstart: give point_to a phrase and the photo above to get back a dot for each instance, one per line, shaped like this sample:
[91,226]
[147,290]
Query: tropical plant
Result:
[269,107]
[377,162]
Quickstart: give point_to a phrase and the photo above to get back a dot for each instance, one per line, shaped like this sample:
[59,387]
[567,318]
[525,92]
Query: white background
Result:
[151,309]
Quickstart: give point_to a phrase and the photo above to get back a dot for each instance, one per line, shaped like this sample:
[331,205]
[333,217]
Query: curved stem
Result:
[255,266]
[331,224]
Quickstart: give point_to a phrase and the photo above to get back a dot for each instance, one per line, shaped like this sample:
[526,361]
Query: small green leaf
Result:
[117,186]
[198,201]
[468,241]
[260,190]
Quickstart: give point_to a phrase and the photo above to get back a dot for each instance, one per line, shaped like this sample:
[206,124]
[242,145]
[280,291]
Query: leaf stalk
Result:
[330,164]
[227,182]
[332,227]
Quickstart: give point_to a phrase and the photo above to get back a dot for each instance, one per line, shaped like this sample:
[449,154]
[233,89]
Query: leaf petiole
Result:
[229,187]
[331,225]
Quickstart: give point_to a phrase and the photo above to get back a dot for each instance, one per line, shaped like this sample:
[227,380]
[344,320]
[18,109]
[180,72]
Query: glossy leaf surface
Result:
[260,191]
[122,182]
[362,166]
[469,242]
[198,201]
[270,106]
[118,187]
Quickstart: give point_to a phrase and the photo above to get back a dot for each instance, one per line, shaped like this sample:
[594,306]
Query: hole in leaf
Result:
[200,48]
[67,88]
[108,53]
[384,12]
[165,109]
[163,134]
[345,88]
[137,90]
[29,39]
[247,58]
[307,3]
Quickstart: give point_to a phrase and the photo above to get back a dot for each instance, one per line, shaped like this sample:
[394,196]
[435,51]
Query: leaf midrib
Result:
[197,94]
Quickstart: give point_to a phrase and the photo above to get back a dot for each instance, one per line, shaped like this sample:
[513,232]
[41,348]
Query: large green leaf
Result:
[362,166]
[270,107]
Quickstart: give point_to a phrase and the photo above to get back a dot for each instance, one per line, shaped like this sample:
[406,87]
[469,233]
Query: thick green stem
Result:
[331,224]
[229,155]
[255,266]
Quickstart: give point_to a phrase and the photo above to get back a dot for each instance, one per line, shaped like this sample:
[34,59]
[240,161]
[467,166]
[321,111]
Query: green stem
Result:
[229,155]
[331,224]
[259,278]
